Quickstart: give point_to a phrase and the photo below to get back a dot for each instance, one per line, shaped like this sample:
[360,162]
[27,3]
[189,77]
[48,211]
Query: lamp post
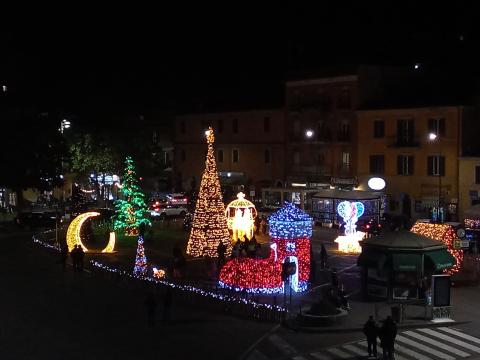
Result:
[436,138]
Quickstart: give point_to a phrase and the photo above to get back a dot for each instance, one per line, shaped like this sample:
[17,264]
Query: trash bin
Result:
[397,313]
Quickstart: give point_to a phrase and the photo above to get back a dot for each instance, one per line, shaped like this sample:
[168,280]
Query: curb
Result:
[326,329]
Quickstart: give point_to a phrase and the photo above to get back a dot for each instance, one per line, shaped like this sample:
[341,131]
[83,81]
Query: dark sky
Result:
[152,58]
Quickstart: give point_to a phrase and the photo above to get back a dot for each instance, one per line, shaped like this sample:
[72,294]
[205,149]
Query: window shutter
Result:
[411,165]
[477,174]
[399,165]
[430,165]
[442,166]
[441,127]
[411,130]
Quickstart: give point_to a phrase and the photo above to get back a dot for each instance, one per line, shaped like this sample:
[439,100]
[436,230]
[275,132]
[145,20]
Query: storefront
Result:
[325,203]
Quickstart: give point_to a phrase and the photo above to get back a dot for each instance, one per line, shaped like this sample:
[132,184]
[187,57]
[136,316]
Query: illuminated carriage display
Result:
[241,215]
[290,233]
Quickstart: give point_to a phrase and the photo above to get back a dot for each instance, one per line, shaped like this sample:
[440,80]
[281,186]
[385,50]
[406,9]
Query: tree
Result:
[91,154]
[130,211]
[209,225]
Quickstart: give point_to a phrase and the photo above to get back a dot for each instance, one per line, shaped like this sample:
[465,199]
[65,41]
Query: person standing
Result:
[74,256]
[323,257]
[81,255]
[221,249]
[388,332]
[370,330]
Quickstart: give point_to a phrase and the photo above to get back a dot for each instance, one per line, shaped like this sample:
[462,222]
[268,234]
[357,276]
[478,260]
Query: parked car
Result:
[166,211]
[177,199]
[370,227]
[35,220]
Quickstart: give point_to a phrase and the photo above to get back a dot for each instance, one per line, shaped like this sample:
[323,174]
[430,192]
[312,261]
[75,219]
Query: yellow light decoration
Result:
[444,233]
[111,243]
[75,227]
[158,273]
[240,215]
[350,243]
[209,224]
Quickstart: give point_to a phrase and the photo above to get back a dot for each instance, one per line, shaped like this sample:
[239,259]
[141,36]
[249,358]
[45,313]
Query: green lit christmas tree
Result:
[132,210]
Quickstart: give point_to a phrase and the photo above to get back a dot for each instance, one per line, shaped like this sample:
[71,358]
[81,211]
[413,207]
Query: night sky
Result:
[200,58]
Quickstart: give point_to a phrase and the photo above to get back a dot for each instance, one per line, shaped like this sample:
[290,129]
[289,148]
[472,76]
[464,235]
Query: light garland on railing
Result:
[444,233]
[189,288]
[45,244]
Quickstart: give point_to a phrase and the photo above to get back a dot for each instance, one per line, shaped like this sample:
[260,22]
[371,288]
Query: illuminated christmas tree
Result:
[209,225]
[140,268]
[130,211]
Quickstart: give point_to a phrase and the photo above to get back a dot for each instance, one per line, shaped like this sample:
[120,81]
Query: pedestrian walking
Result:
[323,257]
[151,306]
[74,256]
[387,333]
[370,330]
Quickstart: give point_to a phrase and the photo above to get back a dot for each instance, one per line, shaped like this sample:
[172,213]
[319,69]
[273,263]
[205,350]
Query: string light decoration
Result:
[472,223]
[290,231]
[132,210]
[111,243]
[350,212]
[350,244]
[158,273]
[444,233]
[209,224]
[141,267]
[74,233]
[290,222]
[241,214]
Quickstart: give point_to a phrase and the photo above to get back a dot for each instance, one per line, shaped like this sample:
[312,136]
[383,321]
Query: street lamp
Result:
[64,124]
[435,137]
[309,133]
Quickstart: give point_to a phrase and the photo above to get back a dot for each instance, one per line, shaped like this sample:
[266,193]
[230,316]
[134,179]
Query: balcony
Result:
[396,142]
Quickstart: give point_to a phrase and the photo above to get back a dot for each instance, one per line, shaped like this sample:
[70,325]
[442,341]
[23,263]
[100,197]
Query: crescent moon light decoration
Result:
[73,233]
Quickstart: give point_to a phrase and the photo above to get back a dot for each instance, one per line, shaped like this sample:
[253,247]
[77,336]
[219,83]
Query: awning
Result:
[407,262]
[441,259]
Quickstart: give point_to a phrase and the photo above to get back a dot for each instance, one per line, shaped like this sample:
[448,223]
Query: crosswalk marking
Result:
[354,349]
[282,345]
[379,350]
[257,355]
[410,352]
[339,353]
[461,334]
[437,344]
[452,340]
[319,356]
[424,348]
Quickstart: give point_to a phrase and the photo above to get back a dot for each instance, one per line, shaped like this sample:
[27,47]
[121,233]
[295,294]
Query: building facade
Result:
[468,183]
[415,150]
[249,149]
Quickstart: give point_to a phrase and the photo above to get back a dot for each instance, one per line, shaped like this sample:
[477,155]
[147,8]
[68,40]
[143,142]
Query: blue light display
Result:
[290,223]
